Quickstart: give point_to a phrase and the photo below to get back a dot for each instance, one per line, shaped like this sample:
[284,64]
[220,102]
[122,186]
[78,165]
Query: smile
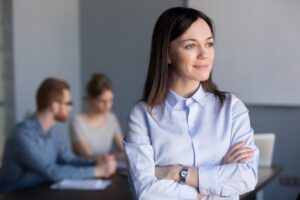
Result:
[202,66]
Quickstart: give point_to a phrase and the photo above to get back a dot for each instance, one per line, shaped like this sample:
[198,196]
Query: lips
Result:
[201,66]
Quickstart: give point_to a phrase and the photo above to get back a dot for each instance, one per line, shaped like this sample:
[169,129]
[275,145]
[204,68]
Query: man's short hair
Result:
[50,90]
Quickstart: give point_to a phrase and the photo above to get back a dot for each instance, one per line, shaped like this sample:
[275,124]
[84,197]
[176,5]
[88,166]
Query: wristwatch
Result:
[183,174]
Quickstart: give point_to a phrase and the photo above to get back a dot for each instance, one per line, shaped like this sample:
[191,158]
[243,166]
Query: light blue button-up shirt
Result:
[196,132]
[33,157]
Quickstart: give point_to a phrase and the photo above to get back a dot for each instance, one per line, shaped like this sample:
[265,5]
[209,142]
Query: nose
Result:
[202,52]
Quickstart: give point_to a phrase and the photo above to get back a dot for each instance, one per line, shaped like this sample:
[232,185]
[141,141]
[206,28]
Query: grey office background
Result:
[256,41]
[114,38]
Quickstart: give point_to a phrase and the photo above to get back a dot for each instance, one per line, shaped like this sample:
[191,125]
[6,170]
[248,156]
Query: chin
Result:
[105,111]
[61,118]
[201,78]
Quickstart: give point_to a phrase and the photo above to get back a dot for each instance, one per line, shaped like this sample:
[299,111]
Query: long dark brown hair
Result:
[170,25]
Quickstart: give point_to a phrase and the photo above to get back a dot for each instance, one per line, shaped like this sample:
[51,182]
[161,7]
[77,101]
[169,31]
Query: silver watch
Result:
[183,174]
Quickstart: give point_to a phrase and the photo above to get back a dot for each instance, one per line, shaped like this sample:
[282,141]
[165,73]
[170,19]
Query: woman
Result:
[94,130]
[186,139]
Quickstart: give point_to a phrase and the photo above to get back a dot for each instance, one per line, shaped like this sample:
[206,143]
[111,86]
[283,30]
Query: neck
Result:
[94,114]
[46,119]
[185,88]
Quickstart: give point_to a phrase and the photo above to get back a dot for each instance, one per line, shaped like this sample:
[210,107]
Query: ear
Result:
[55,106]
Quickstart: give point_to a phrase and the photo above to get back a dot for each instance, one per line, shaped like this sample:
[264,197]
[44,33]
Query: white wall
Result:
[257,49]
[45,43]
[115,39]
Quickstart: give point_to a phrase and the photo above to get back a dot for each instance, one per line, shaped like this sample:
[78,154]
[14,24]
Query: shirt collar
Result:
[175,99]
[37,125]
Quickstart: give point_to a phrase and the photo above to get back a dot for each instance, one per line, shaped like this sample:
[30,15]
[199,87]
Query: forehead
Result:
[106,94]
[66,95]
[199,30]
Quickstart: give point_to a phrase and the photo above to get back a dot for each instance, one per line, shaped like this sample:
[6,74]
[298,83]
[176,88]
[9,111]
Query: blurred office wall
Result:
[115,39]
[45,42]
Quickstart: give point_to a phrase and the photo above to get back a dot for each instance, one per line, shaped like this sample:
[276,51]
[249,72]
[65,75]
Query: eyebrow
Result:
[195,40]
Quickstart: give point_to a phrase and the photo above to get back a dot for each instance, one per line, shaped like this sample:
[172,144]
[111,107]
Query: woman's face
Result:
[104,102]
[192,54]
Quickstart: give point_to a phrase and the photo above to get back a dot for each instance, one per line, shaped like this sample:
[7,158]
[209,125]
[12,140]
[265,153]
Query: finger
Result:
[108,157]
[242,156]
[112,164]
[240,151]
[246,159]
[233,158]
[110,169]
[235,147]
[112,157]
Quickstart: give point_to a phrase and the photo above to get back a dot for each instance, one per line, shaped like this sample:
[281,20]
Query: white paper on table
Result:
[83,184]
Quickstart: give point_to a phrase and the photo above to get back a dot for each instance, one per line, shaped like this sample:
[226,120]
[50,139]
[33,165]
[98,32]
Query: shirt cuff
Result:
[208,180]
[186,191]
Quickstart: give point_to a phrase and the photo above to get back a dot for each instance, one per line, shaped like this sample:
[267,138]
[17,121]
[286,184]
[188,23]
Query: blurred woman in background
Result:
[94,130]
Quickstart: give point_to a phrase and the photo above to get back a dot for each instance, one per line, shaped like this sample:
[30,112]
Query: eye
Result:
[190,46]
[210,44]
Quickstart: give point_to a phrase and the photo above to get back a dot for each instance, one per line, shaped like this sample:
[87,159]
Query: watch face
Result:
[184,173]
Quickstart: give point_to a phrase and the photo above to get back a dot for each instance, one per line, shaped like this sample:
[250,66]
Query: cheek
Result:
[100,106]
[95,106]
[66,109]
[212,61]
[182,60]
[212,55]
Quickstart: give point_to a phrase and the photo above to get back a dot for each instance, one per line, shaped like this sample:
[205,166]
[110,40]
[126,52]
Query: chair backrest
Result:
[265,143]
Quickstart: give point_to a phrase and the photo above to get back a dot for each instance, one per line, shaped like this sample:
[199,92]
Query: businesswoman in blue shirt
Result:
[186,139]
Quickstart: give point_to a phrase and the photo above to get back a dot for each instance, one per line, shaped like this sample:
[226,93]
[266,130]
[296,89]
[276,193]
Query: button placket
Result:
[189,105]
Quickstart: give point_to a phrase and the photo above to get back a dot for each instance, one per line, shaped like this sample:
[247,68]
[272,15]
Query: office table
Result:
[118,190]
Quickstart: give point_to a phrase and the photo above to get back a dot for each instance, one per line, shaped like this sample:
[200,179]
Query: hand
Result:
[106,166]
[101,159]
[238,154]
[168,172]
[110,164]
[199,196]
